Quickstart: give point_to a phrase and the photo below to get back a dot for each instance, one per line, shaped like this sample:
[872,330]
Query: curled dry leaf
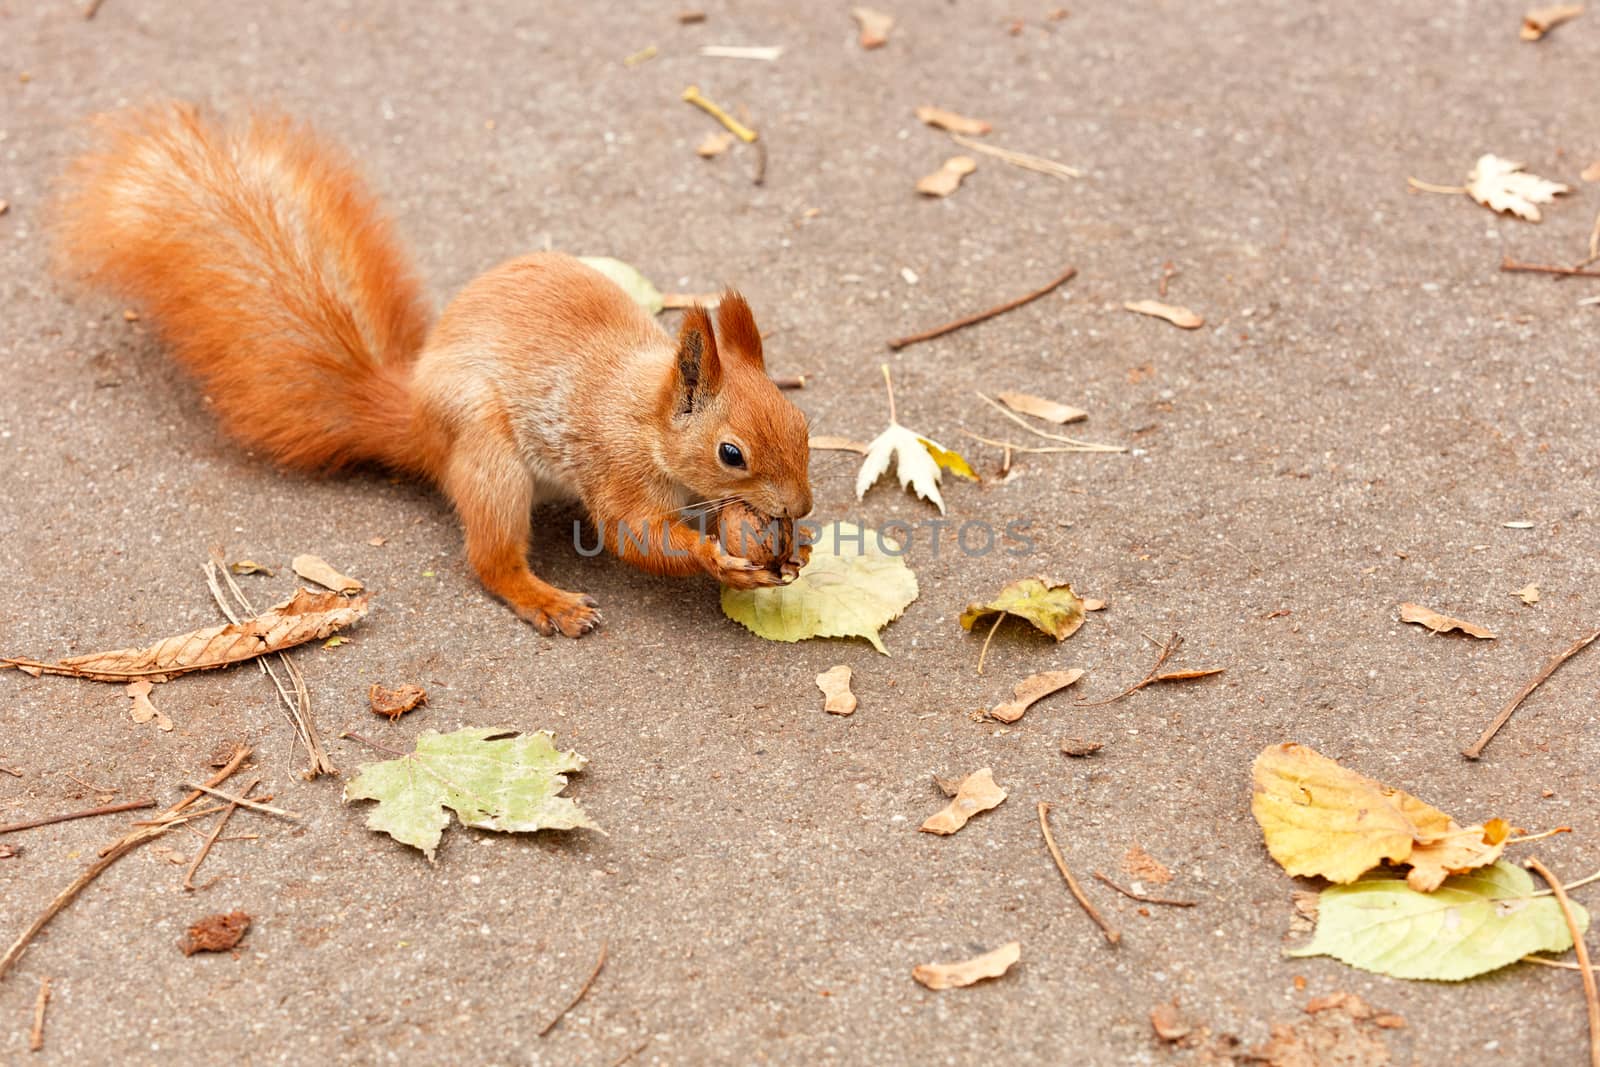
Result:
[977,792]
[835,685]
[1441,623]
[830,443]
[1181,317]
[1031,690]
[1541,20]
[875,26]
[306,616]
[1040,408]
[939,118]
[947,179]
[215,933]
[952,975]
[1053,609]
[1529,594]
[714,144]
[395,702]
[1499,185]
[144,710]
[316,569]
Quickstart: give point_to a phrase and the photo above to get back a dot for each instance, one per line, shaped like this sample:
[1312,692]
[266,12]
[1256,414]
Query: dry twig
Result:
[253,805]
[36,1034]
[1475,750]
[583,991]
[1591,995]
[1010,305]
[109,809]
[1131,895]
[1168,650]
[1078,446]
[211,839]
[1511,266]
[1072,883]
[1019,159]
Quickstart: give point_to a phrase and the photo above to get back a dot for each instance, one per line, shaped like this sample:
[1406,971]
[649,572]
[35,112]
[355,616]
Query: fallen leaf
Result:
[1472,924]
[953,975]
[144,710]
[947,179]
[1179,316]
[1093,604]
[316,569]
[875,26]
[977,792]
[1053,609]
[838,593]
[491,780]
[838,444]
[1040,408]
[1145,867]
[1078,747]
[377,542]
[835,685]
[627,276]
[688,18]
[306,616]
[1541,20]
[953,462]
[1167,1023]
[1499,185]
[1456,851]
[334,642]
[1031,690]
[714,144]
[939,118]
[1441,623]
[914,464]
[395,702]
[1529,594]
[249,566]
[215,933]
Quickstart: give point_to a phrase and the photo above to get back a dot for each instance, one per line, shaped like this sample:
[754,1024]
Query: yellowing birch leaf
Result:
[1499,185]
[1054,609]
[953,462]
[854,585]
[953,975]
[914,464]
[1472,924]
[491,780]
[636,285]
[977,792]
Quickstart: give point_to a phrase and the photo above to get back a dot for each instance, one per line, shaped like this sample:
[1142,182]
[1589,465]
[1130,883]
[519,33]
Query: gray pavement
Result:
[1367,406]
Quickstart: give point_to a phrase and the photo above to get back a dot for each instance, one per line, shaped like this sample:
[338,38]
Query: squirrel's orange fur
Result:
[276,280]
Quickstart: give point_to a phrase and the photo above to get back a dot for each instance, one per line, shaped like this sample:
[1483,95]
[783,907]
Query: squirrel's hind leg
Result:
[494,495]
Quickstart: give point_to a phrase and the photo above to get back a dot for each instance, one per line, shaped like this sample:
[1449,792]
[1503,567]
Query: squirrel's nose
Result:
[798,506]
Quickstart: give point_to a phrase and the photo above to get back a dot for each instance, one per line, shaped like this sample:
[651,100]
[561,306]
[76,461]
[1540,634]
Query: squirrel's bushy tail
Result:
[267,267]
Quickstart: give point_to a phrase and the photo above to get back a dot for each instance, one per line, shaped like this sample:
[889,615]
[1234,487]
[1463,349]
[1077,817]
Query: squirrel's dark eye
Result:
[729,453]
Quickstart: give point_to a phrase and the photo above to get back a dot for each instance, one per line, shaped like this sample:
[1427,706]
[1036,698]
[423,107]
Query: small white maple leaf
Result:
[915,461]
[1499,185]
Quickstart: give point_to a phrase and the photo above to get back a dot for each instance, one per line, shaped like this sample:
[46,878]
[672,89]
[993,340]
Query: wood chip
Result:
[315,569]
[1441,623]
[689,18]
[1032,689]
[939,118]
[1541,20]
[875,26]
[1040,408]
[835,686]
[954,975]
[1181,317]
[947,179]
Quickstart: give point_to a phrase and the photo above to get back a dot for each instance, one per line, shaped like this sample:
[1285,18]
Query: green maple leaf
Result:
[491,780]
[1471,924]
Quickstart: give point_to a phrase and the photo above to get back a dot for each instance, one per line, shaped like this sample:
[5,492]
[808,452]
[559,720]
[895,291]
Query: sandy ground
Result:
[1368,405]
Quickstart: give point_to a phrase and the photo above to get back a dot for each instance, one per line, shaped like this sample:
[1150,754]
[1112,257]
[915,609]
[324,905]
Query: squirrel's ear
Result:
[699,372]
[737,327]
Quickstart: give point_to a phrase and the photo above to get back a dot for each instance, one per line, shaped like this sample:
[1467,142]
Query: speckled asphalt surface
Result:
[1367,406]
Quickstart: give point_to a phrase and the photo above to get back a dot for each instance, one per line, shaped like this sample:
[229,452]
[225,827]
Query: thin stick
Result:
[201,813]
[1429,187]
[1010,305]
[1565,965]
[1595,877]
[1019,159]
[1591,995]
[1553,831]
[109,809]
[1174,643]
[1072,883]
[1014,417]
[1131,895]
[1511,266]
[1475,750]
[583,991]
[759,175]
[734,126]
[352,735]
[242,802]
[1025,450]
[631,1053]
[8,770]
[36,1035]
[205,849]
[235,761]
[108,856]
[985,651]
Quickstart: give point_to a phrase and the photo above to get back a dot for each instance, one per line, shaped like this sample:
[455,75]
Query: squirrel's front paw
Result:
[738,573]
[573,614]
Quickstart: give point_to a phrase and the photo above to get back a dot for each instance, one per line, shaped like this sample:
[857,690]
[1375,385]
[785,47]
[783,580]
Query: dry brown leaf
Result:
[377,542]
[1167,1023]
[306,616]
[839,444]
[1145,867]
[316,569]
[1331,1035]
[1501,185]
[1541,20]
[977,792]
[939,118]
[144,710]
[714,144]
[1529,594]
[215,933]
[953,975]
[1185,676]
[1456,851]
[395,702]
[249,566]
[947,179]
[1181,317]
[1040,408]
[1093,604]
[835,686]
[1441,623]
[1031,690]
[875,26]
[689,18]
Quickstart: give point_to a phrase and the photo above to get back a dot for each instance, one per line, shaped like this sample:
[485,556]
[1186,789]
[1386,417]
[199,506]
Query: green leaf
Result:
[1054,609]
[490,780]
[1471,924]
[844,591]
[633,283]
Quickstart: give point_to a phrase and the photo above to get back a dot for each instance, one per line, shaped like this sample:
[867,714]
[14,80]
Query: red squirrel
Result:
[276,280]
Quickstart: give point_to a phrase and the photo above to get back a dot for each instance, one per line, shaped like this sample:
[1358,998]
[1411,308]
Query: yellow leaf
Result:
[1055,609]
[950,461]
[1456,852]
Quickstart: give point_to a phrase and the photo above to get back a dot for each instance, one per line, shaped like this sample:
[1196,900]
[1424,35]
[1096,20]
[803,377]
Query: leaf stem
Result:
[1429,187]
[985,650]
[889,388]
